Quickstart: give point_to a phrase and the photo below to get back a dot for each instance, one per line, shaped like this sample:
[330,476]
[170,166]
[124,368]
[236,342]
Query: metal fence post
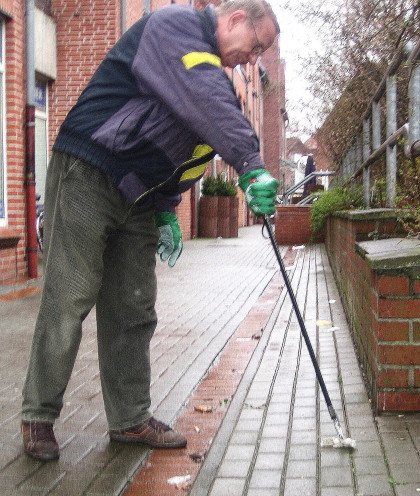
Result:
[414,106]
[376,125]
[391,151]
[366,153]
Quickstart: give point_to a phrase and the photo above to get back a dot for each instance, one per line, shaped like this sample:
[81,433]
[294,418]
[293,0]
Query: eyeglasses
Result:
[258,47]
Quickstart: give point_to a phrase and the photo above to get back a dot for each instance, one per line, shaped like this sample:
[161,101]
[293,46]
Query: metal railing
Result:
[295,187]
[368,146]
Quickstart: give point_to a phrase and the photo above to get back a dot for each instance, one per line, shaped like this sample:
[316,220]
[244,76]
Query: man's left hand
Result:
[170,241]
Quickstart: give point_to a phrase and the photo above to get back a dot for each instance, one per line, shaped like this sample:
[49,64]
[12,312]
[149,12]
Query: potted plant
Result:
[218,208]
[207,227]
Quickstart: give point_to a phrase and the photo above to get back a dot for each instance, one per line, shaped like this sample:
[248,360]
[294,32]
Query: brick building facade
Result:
[12,151]
[71,38]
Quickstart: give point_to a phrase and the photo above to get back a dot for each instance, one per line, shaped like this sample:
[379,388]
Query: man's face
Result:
[241,40]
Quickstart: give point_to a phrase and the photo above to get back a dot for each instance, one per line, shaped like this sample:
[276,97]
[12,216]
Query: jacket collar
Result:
[209,22]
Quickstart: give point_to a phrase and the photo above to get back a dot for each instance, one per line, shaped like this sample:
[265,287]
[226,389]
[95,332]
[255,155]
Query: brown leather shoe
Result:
[150,433]
[39,440]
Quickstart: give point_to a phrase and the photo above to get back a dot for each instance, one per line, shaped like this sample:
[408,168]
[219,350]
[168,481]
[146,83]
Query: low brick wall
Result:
[379,283]
[292,225]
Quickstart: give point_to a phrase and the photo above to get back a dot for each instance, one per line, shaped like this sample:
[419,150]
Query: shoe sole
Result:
[43,457]
[145,442]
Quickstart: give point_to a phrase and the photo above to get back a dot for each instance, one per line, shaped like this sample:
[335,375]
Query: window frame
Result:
[41,113]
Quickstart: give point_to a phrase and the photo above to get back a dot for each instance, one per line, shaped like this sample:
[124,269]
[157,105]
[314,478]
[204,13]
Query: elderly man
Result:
[157,109]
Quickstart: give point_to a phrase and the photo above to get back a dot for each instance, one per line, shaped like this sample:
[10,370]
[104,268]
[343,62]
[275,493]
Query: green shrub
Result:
[208,187]
[330,201]
[218,186]
[408,195]
[407,201]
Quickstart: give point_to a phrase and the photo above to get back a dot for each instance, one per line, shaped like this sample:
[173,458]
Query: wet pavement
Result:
[271,422]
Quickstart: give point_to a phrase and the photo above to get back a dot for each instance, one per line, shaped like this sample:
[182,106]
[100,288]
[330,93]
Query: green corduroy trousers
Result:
[99,250]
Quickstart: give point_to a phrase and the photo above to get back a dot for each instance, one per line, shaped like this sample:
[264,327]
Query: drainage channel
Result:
[269,397]
[205,477]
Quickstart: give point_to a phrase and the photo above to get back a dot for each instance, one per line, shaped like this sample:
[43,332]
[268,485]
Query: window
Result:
[41,138]
[2,128]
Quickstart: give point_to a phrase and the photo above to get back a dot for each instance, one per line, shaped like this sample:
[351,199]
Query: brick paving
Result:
[264,434]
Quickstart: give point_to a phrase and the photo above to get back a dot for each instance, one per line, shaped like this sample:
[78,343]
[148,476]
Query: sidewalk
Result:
[213,303]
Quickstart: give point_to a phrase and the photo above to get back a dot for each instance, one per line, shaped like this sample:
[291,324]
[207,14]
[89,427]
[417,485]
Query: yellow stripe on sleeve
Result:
[193,173]
[195,58]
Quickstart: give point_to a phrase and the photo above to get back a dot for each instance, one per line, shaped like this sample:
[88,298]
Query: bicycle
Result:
[39,225]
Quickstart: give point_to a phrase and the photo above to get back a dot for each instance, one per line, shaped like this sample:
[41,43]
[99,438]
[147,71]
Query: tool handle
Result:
[301,322]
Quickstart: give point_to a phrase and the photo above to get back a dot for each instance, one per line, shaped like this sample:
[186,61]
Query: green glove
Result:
[260,190]
[170,242]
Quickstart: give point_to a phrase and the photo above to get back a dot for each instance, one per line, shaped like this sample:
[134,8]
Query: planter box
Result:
[218,217]
[234,214]
[223,217]
[207,227]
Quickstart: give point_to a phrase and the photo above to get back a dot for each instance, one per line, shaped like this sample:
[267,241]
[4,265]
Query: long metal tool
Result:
[342,442]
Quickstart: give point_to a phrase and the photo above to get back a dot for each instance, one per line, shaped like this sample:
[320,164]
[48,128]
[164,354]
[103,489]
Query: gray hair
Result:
[256,9]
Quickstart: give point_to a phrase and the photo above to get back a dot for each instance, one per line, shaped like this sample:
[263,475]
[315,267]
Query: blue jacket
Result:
[156,108]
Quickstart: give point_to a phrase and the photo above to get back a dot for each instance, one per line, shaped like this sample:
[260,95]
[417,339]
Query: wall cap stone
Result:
[369,214]
[393,253]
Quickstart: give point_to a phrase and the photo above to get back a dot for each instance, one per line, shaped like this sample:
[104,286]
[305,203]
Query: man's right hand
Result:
[260,189]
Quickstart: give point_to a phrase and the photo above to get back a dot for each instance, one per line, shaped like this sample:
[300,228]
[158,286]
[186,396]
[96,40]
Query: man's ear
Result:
[236,17]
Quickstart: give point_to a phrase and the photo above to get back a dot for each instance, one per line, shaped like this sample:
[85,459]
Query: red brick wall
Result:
[85,32]
[292,225]
[12,260]
[134,11]
[183,212]
[271,111]
[382,308]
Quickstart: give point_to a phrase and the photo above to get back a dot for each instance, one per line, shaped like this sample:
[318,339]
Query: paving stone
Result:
[277,419]
[248,425]
[303,437]
[252,414]
[265,479]
[368,448]
[371,465]
[238,452]
[272,445]
[245,437]
[374,485]
[357,420]
[303,452]
[356,397]
[45,478]
[301,468]
[233,468]
[269,461]
[407,489]
[301,487]
[227,487]
[336,476]
[263,492]
[364,434]
[407,472]
[304,424]
[339,491]
[106,485]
